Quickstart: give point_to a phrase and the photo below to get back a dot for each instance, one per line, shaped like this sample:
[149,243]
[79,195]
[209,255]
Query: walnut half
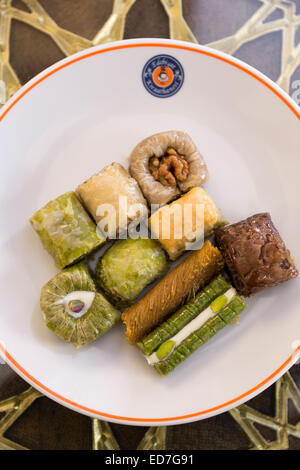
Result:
[169,168]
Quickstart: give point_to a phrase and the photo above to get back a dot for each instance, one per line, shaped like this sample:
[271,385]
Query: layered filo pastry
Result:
[177,287]
[186,222]
[167,165]
[66,230]
[113,198]
[128,266]
[73,309]
[209,311]
[256,255]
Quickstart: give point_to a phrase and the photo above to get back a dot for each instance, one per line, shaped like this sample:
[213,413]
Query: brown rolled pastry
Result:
[255,254]
[176,288]
[166,165]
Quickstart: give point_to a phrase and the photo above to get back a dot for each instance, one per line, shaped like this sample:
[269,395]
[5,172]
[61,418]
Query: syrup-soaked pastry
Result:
[73,309]
[128,267]
[255,254]
[66,230]
[166,165]
[113,186]
[190,219]
[213,308]
[178,286]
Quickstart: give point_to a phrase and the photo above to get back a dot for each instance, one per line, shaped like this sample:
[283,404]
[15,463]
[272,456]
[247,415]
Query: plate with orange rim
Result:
[91,109]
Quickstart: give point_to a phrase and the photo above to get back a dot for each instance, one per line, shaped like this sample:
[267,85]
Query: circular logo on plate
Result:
[163,76]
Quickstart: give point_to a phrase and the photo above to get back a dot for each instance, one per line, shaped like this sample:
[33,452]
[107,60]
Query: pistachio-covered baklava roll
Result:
[179,339]
[185,221]
[66,230]
[113,198]
[177,287]
[128,267]
[166,165]
[73,309]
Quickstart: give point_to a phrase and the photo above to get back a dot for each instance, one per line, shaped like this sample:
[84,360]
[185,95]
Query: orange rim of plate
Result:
[85,409]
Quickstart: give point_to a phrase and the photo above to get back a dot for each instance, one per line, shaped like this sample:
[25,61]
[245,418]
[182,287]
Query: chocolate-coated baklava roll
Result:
[255,254]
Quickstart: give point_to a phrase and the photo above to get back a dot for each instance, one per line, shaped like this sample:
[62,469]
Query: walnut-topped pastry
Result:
[170,168]
[166,165]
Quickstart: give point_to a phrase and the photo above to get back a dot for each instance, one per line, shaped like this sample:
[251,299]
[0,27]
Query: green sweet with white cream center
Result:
[168,346]
[78,302]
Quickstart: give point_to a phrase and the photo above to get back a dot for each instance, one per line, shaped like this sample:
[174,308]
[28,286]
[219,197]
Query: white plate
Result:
[92,109]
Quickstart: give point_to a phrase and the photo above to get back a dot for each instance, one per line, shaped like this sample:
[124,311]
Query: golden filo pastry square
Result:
[114,196]
[189,219]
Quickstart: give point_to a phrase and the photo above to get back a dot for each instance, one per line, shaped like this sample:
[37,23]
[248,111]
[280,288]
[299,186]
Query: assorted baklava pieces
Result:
[169,311]
[209,311]
[180,284]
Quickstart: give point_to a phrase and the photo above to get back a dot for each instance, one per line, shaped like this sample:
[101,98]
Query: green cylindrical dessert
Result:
[184,315]
[66,230]
[73,309]
[196,339]
[128,267]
